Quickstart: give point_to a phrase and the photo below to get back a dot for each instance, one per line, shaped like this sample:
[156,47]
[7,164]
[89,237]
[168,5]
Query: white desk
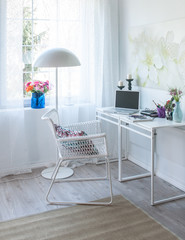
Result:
[147,129]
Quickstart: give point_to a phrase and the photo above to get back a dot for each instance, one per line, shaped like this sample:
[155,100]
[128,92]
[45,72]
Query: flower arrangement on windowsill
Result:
[38,89]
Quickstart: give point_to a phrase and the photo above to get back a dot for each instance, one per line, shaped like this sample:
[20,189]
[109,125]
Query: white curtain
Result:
[99,54]
[100,57]
[11,86]
[99,63]
[98,73]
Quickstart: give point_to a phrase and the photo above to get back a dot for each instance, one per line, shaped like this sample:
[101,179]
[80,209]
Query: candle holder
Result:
[130,83]
[120,87]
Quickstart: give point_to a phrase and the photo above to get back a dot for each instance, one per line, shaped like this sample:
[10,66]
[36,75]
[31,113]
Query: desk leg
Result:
[119,150]
[153,134]
[126,144]
[152,177]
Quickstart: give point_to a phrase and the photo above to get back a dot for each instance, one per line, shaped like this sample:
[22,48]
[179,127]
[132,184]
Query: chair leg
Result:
[108,177]
[53,179]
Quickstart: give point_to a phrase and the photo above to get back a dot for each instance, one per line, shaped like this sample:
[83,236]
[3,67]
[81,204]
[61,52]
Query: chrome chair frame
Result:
[97,139]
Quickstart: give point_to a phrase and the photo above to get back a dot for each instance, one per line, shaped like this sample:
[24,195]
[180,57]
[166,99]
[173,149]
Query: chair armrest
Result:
[77,138]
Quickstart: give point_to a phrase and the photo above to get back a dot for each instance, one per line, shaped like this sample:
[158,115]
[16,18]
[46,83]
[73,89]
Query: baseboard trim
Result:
[164,177]
[139,163]
[24,169]
[174,182]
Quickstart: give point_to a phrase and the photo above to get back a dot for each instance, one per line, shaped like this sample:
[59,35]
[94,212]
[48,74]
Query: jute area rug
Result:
[120,221]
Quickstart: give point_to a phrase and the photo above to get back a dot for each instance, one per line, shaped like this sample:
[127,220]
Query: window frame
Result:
[33,71]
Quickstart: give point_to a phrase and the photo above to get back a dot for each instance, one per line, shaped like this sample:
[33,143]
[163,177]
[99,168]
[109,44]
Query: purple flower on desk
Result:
[176,94]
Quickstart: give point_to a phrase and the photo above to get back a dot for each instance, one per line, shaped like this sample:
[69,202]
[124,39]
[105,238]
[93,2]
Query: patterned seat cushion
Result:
[83,147]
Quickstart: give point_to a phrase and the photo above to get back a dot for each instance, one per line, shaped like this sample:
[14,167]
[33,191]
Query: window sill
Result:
[28,108]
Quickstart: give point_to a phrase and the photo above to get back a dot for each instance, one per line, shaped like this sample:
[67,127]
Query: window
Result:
[47,24]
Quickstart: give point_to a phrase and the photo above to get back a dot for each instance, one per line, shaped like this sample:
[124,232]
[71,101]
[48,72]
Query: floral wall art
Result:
[157,55]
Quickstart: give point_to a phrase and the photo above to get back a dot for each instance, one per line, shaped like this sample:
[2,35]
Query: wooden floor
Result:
[26,195]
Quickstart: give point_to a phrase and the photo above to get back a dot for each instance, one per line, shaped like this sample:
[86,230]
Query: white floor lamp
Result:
[57,57]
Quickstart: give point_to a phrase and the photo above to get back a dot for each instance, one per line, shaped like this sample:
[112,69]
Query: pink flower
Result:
[42,89]
[36,82]
[28,84]
[37,86]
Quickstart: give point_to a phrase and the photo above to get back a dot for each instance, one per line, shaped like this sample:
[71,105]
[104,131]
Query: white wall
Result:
[32,145]
[26,145]
[170,148]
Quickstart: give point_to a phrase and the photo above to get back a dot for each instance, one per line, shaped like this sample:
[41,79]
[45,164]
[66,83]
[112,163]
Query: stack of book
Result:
[140,118]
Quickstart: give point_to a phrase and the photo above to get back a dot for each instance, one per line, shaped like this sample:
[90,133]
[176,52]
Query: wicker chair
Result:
[70,147]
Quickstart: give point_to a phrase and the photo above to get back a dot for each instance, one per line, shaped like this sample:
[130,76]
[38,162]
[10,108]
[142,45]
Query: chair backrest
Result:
[73,149]
[90,127]
[52,118]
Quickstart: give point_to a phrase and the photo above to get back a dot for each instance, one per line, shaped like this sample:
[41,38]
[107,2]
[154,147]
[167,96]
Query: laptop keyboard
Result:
[121,111]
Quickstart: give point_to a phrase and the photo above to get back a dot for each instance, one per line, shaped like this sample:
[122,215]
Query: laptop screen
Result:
[127,99]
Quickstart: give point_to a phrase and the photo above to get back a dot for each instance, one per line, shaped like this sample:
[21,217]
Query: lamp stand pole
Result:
[56,84]
[64,172]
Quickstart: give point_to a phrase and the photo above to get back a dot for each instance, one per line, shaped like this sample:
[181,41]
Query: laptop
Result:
[126,102]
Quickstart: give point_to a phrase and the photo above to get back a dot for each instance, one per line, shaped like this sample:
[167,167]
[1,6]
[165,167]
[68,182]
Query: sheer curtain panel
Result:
[98,53]
[100,58]
[89,28]
[12,137]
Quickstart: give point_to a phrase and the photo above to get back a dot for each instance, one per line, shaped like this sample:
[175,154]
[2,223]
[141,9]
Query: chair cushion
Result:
[84,147]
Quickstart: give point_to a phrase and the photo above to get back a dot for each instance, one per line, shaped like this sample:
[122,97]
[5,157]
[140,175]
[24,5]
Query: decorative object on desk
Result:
[177,94]
[120,85]
[149,112]
[169,115]
[177,114]
[38,89]
[129,80]
[169,106]
[160,110]
[55,58]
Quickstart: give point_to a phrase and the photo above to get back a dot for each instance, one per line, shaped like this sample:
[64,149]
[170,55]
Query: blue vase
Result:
[177,114]
[38,100]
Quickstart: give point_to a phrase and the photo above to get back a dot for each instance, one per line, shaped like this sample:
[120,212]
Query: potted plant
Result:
[38,90]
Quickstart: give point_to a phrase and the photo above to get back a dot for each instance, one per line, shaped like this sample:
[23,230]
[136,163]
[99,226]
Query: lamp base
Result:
[63,172]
